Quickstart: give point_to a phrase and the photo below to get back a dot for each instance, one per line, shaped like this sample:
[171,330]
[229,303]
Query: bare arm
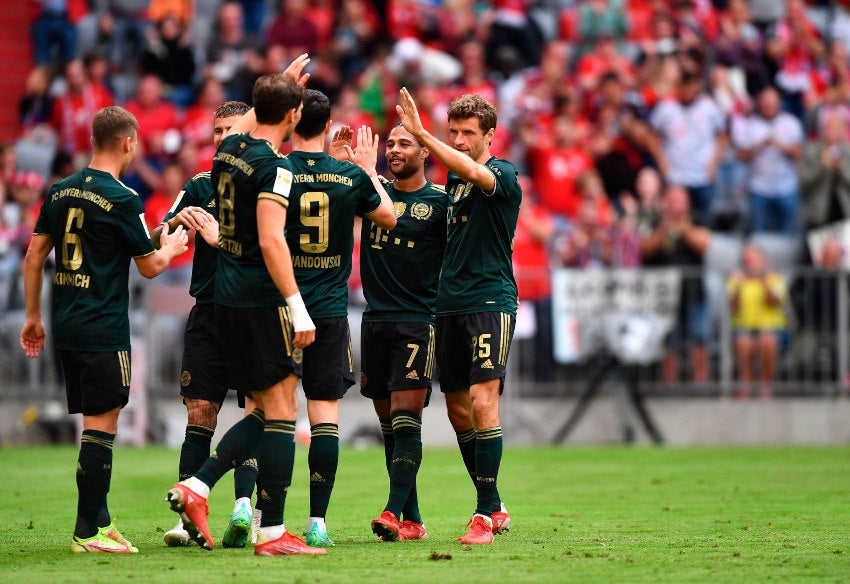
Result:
[456,161]
[271,220]
[172,245]
[191,218]
[249,120]
[366,157]
[32,333]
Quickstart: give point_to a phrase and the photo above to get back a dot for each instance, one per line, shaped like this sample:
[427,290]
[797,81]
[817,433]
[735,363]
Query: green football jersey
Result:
[326,195]
[97,225]
[198,192]
[400,269]
[244,170]
[477,270]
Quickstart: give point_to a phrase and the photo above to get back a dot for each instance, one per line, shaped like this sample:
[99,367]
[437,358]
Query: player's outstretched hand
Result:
[408,113]
[340,145]
[32,337]
[296,68]
[366,154]
[174,243]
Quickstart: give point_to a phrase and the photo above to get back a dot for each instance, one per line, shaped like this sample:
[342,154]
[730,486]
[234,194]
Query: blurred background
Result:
[683,236]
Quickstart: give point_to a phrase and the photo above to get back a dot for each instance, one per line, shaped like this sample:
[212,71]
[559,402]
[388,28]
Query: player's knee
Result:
[202,413]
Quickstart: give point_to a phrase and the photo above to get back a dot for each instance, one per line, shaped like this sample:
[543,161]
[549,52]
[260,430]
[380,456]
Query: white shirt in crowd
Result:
[771,173]
[689,137]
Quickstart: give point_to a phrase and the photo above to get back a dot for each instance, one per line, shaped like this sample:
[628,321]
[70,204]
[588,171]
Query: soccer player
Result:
[99,225]
[253,279]
[326,195]
[477,295]
[203,382]
[400,270]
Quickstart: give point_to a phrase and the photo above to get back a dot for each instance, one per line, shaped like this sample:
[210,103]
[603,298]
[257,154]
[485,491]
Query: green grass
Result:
[606,514]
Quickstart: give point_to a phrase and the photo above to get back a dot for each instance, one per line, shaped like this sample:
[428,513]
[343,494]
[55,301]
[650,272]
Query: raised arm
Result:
[366,157]
[466,168]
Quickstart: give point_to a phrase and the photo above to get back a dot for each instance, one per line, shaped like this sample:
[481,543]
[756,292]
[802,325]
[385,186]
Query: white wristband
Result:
[301,320]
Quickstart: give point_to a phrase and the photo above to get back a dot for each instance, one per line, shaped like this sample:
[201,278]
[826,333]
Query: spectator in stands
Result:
[691,141]
[233,55]
[758,298]
[36,103]
[169,56]
[115,29]
[536,90]
[648,187]
[604,59]
[825,174]
[53,33]
[741,44]
[292,29]
[619,137]
[159,120]
[599,19]
[74,110]
[511,25]
[589,239]
[356,31]
[677,241]
[557,164]
[771,142]
[795,46]
[196,122]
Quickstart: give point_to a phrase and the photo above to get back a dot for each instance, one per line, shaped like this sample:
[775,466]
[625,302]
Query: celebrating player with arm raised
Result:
[477,295]
[400,270]
[253,278]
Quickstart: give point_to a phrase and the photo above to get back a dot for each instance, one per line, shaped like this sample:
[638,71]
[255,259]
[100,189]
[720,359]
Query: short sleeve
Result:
[368,199]
[507,183]
[132,228]
[275,182]
[42,226]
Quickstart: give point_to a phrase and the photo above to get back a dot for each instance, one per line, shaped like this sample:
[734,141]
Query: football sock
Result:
[488,455]
[195,450]
[275,461]
[238,444]
[244,479]
[94,470]
[410,511]
[407,456]
[466,442]
[389,442]
[323,460]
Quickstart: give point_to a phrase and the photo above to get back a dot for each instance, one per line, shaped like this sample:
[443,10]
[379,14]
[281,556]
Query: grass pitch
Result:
[603,514]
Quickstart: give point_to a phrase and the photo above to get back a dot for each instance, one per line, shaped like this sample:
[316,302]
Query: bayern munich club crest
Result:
[421,211]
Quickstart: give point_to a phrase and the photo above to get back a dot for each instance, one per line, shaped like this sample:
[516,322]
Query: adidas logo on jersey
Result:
[488,364]
[412,375]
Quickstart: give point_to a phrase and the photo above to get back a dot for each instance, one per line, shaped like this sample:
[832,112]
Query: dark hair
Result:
[472,105]
[231,108]
[110,125]
[314,115]
[274,95]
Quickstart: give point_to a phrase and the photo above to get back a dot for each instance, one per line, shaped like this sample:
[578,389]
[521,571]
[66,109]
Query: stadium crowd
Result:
[641,128]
